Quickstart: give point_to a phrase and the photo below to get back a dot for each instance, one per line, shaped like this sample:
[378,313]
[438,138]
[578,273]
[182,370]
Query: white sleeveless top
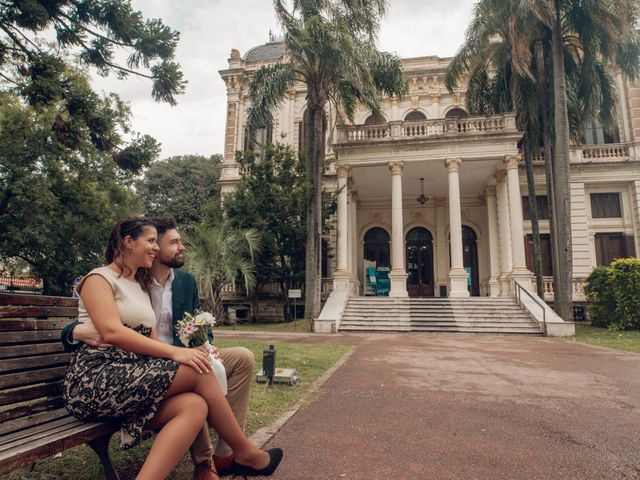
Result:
[132,302]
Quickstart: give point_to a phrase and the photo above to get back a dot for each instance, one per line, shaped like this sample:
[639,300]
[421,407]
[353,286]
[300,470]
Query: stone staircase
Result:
[475,315]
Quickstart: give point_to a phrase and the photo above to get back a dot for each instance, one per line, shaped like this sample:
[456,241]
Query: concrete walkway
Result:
[455,406]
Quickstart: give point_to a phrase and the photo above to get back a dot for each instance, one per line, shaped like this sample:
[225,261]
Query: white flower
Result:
[207,318]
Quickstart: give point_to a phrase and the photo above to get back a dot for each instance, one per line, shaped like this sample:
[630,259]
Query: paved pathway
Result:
[452,406]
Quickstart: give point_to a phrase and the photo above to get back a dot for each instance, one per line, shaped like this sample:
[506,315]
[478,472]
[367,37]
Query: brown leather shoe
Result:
[205,471]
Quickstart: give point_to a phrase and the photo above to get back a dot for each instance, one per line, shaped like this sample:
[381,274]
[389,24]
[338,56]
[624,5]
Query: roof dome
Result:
[273,50]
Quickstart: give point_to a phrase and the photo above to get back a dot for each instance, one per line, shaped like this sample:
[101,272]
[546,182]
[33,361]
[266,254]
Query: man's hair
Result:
[164,223]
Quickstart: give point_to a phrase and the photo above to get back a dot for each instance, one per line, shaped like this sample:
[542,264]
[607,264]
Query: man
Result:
[175,292]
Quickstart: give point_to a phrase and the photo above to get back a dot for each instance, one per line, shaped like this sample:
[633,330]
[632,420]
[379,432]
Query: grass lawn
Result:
[603,337]
[265,406]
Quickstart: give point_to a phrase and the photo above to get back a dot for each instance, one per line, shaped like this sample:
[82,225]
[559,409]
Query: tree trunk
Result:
[310,272]
[548,158]
[533,215]
[562,173]
[319,152]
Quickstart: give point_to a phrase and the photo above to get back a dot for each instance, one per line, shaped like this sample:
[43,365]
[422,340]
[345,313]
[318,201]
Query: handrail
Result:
[519,289]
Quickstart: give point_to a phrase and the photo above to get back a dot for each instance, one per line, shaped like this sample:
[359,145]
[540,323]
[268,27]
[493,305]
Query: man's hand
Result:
[87,333]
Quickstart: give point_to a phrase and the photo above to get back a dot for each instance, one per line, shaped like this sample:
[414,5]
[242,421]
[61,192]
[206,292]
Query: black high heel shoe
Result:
[275,455]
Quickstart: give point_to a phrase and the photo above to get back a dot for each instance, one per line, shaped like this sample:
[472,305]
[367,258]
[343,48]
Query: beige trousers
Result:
[239,365]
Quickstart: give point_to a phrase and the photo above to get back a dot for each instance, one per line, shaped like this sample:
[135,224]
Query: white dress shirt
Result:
[162,301]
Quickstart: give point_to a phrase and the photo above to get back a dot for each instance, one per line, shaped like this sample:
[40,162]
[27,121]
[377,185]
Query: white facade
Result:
[469,236]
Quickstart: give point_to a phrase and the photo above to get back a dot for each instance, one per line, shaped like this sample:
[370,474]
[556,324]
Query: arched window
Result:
[376,247]
[415,116]
[375,119]
[456,113]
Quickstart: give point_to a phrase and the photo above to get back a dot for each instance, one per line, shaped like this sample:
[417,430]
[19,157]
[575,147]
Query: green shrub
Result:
[601,297]
[625,279]
[613,294]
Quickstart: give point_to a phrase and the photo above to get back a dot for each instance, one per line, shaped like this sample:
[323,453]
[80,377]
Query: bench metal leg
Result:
[100,445]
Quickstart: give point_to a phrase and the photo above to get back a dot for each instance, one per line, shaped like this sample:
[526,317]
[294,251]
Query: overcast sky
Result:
[209,29]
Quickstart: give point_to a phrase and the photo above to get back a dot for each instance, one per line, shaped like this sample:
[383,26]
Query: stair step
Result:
[473,315]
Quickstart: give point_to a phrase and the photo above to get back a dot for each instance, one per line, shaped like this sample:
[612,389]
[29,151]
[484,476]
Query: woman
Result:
[144,383]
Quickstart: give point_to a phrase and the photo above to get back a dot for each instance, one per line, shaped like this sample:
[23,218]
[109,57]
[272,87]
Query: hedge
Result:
[613,294]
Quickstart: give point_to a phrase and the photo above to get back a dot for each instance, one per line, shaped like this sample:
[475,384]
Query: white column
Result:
[395,116]
[342,277]
[494,248]
[457,273]
[504,237]
[353,241]
[441,245]
[435,105]
[520,272]
[398,275]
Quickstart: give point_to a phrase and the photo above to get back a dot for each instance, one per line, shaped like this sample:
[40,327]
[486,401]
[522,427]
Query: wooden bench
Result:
[33,421]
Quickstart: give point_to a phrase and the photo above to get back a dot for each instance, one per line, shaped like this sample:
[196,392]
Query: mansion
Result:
[439,199]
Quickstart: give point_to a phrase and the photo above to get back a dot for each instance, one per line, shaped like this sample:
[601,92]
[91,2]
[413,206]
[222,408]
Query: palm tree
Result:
[331,49]
[599,32]
[512,38]
[219,256]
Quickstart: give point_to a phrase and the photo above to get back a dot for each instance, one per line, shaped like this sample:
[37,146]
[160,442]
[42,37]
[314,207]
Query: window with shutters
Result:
[542,207]
[606,205]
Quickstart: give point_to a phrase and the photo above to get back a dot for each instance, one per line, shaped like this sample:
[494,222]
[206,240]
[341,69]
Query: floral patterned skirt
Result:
[114,384]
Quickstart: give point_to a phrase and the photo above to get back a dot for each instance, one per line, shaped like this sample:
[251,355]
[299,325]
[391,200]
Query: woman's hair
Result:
[116,251]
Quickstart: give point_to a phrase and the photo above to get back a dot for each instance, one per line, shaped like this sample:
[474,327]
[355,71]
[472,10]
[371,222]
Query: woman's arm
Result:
[98,299]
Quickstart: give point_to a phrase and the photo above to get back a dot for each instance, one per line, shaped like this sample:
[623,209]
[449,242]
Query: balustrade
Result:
[426,128]
[577,289]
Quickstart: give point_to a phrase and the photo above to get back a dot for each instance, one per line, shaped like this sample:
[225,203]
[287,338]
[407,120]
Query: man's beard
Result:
[174,262]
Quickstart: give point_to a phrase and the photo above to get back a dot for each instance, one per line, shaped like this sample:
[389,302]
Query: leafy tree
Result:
[57,204]
[331,48]
[95,30]
[219,255]
[180,186]
[271,198]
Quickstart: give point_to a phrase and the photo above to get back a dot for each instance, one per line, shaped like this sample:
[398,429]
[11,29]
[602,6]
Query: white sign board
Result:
[295,293]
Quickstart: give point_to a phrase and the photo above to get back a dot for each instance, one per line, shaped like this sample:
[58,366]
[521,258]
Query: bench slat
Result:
[37,376]
[50,445]
[28,363]
[42,427]
[12,351]
[35,336]
[34,324]
[18,311]
[31,408]
[51,389]
[17,299]
[36,419]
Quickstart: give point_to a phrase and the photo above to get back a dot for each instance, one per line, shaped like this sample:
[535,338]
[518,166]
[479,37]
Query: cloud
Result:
[209,29]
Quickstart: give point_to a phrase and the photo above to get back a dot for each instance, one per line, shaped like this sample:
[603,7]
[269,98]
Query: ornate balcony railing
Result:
[427,129]
[609,152]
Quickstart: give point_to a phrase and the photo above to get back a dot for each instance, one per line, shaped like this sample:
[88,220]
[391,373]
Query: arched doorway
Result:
[377,260]
[419,244]
[415,116]
[376,248]
[470,259]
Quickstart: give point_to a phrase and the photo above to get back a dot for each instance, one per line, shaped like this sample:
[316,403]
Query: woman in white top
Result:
[140,381]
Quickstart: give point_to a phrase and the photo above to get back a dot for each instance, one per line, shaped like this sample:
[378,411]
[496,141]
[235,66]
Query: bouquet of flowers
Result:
[194,331]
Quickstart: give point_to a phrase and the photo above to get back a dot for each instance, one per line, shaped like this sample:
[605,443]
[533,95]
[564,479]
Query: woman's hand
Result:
[192,357]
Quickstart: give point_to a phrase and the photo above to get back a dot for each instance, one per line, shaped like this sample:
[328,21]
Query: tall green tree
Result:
[57,204]
[93,30]
[331,49]
[508,46]
[271,198]
[181,187]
